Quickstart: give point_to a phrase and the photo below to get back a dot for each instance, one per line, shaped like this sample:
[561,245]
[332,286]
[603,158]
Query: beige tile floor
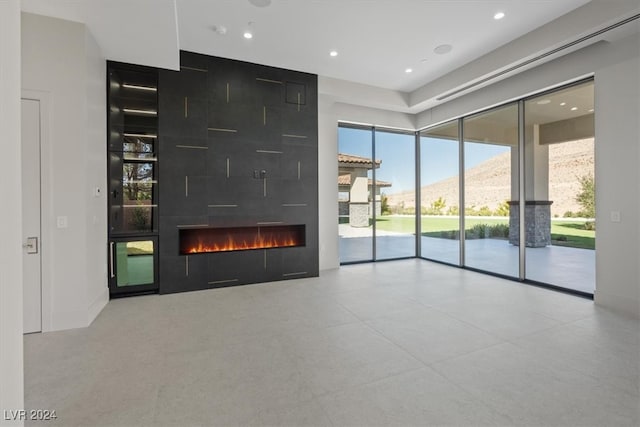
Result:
[397,343]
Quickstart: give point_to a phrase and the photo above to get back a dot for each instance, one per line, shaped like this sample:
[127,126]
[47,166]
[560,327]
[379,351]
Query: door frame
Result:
[46,203]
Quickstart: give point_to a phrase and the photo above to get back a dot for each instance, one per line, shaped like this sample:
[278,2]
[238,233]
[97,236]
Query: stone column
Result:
[537,207]
[537,222]
[359,199]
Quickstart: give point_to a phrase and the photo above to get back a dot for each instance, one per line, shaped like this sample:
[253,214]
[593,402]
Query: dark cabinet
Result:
[132,143]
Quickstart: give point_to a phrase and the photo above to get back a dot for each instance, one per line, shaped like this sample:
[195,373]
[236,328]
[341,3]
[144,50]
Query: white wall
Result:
[96,173]
[11,361]
[617,96]
[61,59]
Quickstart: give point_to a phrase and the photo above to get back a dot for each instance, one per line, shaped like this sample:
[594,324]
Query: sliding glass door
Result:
[560,188]
[355,176]
[440,193]
[491,191]
[395,195]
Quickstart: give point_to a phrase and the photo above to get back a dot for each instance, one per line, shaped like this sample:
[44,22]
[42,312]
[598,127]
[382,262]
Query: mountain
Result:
[489,183]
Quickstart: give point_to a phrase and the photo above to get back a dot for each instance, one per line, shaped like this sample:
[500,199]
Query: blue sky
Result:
[439,158]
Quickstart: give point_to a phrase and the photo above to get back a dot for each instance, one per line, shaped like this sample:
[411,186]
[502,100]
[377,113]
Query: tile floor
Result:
[396,343]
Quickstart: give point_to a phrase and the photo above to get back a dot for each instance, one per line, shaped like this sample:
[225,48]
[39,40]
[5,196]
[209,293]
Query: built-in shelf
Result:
[132,97]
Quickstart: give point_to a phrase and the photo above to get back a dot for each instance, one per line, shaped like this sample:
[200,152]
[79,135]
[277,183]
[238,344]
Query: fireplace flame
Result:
[233,244]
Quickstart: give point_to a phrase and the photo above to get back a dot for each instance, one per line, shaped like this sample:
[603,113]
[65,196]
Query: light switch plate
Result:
[615,216]
[62,222]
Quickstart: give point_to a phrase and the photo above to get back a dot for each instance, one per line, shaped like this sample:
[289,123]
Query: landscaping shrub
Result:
[453,210]
[478,231]
[499,230]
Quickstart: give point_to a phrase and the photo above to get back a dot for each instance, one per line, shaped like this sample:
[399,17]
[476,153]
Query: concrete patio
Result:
[565,267]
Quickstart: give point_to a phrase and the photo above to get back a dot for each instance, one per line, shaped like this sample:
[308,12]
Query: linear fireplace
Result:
[226,239]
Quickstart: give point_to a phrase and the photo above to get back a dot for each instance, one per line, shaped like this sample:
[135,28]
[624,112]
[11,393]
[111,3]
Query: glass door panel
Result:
[355,176]
[394,198]
[559,188]
[133,266]
[440,193]
[133,195]
[491,191]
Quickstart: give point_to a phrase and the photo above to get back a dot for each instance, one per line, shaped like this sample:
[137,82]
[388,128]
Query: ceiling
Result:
[376,40]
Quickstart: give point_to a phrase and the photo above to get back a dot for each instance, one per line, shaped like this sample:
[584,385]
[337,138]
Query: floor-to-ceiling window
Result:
[355,179]
[376,194]
[491,190]
[440,193]
[395,195]
[560,188]
[538,152]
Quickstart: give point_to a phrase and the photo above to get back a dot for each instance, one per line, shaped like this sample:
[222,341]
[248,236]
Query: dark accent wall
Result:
[237,147]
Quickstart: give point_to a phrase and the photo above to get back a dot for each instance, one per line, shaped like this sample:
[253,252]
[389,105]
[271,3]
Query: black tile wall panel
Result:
[240,151]
[182,104]
[183,273]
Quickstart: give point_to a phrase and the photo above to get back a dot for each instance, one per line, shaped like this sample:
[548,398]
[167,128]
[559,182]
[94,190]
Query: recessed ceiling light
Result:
[260,3]
[408,70]
[544,102]
[574,108]
[443,48]
[248,35]
[498,16]
[562,104]
[333,53]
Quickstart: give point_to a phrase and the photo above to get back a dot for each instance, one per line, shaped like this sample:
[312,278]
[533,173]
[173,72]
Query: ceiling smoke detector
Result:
[443,49]
[260,3]
[220,29]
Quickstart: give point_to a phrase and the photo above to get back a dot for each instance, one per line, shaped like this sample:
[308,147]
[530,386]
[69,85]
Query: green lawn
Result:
[563,233]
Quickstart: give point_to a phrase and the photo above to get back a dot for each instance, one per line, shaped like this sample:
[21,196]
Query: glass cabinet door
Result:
[133,186]
[133,124]
[133,265]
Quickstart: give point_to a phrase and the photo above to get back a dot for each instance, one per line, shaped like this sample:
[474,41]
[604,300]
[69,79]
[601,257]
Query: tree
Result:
[586,198]
[137,175]
[384,205]
[502,209]
[437,206]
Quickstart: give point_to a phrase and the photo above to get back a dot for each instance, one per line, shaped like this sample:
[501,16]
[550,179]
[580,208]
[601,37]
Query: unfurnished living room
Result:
[320,213]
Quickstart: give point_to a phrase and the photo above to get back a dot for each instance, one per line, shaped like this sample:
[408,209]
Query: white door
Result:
[31,261]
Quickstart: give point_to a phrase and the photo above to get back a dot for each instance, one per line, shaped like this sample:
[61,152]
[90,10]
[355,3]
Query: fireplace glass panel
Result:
[206,240]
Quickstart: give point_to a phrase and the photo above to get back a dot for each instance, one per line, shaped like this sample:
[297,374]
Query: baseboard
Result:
[97,306]
[68,320]
[79,318]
